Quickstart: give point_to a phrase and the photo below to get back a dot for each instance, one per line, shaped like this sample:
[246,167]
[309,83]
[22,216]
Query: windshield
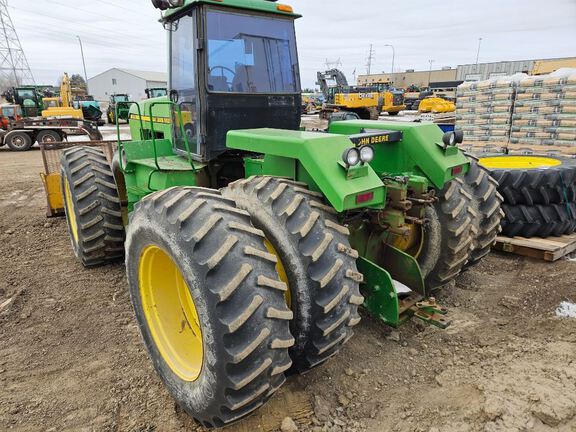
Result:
[154,93]
[251,54]
[120,98]
[26,94]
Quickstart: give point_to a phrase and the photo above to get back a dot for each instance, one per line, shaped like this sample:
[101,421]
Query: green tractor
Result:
[249,244]
[118,108]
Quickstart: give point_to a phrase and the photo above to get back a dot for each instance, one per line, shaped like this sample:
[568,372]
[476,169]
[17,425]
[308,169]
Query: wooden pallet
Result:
[548,249]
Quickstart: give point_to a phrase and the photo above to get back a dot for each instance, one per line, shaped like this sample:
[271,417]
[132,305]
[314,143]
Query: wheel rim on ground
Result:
[171,313]
[70,211]
[519,162]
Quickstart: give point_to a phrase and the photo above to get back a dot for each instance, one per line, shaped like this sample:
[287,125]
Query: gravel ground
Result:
[71,358]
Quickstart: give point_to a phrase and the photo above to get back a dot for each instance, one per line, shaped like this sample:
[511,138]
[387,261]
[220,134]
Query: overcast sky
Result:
[126,34]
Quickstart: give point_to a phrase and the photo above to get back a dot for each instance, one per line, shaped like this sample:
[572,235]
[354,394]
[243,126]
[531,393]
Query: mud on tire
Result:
[239,298]
[320,265]
[92,207]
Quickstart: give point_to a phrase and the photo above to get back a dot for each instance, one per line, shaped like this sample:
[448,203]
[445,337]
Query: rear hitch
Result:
[429,311]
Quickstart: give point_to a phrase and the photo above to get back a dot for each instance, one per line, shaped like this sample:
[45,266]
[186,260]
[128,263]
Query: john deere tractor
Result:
[249,244]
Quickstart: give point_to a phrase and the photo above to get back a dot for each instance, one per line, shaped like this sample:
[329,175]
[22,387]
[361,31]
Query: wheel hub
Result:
[171,314]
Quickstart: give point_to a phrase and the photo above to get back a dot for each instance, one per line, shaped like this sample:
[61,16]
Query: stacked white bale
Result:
[484,110]
[545,110]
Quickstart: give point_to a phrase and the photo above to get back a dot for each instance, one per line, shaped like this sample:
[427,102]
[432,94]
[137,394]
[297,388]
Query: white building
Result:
[125,81]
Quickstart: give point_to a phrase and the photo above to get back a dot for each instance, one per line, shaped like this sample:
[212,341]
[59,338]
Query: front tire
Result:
[92,207]
[208,302]
[319,264]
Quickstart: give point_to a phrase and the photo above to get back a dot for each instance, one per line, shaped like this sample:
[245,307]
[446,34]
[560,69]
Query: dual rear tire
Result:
[220,302]
[463,226]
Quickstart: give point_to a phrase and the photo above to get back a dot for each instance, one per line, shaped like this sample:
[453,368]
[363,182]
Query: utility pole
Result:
[478,53]
[370,59]
[14,67]
[84,64]
[430,72]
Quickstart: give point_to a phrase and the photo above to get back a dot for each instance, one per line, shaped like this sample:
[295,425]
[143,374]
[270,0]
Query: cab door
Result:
[183,84]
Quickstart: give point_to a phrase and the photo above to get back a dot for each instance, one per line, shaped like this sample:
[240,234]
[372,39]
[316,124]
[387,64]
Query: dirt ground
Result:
[71,358]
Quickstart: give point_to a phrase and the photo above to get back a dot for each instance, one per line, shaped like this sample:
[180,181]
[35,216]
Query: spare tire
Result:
[539,220]
[533,180]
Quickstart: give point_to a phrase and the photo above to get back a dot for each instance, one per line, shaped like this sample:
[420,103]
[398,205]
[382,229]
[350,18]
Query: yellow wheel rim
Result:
[281,272]
[70,211]
[170,313]
[519,162]
[412,243]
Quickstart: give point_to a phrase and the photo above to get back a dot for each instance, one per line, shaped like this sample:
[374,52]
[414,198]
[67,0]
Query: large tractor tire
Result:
[92,207]
[209,303]
[487,210]
[540,220]
[533,180]
[315,259]
[449,235]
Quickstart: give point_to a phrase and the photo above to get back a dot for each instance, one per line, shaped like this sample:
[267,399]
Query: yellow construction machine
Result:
[339,96]
[436,105]
[62,106]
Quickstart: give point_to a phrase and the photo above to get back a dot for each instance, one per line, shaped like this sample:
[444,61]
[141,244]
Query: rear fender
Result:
[314,158]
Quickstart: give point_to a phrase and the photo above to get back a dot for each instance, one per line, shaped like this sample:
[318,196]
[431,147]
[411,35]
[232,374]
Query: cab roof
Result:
[268,6]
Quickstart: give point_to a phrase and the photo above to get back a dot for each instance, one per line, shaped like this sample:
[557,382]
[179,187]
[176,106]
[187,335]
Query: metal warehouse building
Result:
[127,81]
[469,72]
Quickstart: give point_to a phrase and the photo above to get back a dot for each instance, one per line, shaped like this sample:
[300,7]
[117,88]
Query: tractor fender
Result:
[314,158]
[420,151]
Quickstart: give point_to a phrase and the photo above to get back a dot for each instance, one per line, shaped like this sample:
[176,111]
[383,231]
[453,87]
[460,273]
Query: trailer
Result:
[22,134]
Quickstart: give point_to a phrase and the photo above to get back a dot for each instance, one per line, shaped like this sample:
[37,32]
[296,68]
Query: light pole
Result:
[430,72]
[393,55]
[84,64]
[478,53]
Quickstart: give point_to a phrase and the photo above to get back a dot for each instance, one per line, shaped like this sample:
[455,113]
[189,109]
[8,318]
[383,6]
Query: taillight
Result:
[457,170]
[364,197]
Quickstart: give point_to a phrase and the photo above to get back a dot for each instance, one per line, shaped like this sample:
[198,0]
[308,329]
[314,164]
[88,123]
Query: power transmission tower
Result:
[14,68]
[370,59]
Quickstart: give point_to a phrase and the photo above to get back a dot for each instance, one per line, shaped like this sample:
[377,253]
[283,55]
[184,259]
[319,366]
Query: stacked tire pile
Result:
[484,110]
[545,111]
[539,194]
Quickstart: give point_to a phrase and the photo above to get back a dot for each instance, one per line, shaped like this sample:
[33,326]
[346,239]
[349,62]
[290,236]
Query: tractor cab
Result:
[156,92]
[29,99]
[115,98]
[232,67]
